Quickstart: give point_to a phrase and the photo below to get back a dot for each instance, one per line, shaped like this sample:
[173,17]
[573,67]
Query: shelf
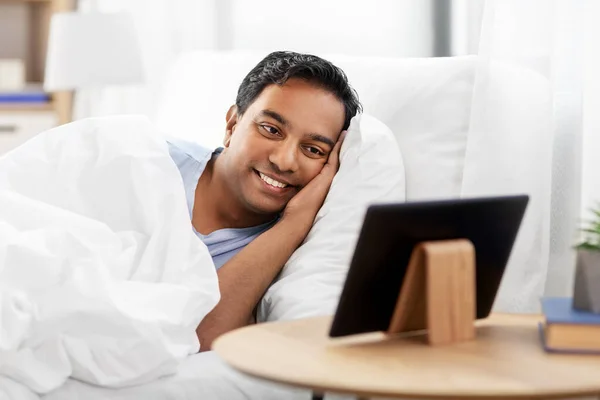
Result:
[25,1]
[24,29]
[26,107]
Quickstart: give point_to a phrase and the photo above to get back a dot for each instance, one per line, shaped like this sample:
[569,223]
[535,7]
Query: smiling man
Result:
[254,201]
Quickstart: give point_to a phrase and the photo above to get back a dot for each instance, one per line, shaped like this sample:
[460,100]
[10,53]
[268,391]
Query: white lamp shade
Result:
[85,50]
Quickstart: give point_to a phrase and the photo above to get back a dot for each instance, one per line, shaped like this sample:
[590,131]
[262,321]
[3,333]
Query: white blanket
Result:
[101,276]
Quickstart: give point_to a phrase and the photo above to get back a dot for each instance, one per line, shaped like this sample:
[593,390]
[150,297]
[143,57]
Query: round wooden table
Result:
[506,360]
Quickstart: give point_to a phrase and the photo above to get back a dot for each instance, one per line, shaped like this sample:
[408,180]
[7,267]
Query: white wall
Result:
[376,27]
[168,28]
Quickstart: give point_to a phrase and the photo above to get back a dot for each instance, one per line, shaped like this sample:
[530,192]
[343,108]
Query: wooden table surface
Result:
[505,360]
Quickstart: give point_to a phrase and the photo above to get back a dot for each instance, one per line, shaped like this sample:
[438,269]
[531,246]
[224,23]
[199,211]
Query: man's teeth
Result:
[271,182]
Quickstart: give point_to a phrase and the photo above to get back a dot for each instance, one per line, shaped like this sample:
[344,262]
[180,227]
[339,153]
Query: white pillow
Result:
[371,170]
[426,104]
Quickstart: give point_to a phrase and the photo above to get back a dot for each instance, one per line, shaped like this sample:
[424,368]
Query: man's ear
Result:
[231,119]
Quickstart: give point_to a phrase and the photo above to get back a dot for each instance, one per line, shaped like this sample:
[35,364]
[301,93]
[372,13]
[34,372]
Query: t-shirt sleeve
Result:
[188,156]
[190,159]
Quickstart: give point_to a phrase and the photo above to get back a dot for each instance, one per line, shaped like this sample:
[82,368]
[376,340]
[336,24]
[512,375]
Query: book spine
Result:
[24,98]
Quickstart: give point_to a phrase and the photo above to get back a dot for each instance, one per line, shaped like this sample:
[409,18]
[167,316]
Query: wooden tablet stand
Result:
[438,292]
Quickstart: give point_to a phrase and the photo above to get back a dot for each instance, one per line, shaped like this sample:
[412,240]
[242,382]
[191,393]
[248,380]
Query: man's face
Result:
[280,143]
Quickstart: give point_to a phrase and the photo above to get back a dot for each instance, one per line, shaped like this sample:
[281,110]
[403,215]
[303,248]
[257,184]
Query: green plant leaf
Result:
[588,246]
[591,230]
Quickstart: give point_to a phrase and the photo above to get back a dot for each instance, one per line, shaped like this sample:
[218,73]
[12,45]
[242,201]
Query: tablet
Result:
[388,236]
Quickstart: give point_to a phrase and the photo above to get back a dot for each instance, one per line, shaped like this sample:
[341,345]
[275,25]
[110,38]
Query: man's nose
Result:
[285,156]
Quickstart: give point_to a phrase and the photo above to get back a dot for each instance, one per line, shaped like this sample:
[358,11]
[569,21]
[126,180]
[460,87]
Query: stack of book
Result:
[31,94]
[568,330]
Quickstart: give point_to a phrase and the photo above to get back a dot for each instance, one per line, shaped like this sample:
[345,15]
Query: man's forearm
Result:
[244,279]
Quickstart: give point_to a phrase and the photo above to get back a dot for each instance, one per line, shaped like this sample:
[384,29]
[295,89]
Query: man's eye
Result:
[271,130]
[315,151]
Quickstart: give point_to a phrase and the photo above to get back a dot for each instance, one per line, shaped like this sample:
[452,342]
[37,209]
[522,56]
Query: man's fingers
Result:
[334,156]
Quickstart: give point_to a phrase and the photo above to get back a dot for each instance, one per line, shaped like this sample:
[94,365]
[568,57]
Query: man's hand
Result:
[303,207]
[244,279]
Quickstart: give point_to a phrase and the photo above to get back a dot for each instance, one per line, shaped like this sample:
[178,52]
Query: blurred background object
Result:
[87,51]
[12,75]
[25,107]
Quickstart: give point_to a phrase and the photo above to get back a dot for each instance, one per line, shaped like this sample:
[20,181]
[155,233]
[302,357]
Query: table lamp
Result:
[91,50]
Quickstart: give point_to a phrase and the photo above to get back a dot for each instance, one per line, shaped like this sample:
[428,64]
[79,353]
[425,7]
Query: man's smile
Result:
[274,184]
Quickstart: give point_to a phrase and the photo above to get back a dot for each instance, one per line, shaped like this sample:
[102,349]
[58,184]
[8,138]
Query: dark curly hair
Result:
[279,66]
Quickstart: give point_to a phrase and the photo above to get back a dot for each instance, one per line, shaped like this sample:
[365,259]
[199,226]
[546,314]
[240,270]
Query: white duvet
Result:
[101,276]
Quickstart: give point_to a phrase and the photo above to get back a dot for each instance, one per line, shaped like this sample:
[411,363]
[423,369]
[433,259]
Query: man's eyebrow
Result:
[321,138]
[276,116]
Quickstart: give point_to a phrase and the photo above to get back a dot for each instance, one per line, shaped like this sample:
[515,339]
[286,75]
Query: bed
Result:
[425,104]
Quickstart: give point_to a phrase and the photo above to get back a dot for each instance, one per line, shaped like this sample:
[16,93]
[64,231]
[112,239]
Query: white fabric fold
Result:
[101,276]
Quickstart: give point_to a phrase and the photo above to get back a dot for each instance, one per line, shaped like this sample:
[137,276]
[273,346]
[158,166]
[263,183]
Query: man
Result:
[254,201]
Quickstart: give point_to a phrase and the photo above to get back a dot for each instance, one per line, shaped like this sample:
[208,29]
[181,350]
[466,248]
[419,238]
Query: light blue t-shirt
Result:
[191,159]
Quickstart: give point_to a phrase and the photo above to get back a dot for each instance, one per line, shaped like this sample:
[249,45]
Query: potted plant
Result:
[586,293]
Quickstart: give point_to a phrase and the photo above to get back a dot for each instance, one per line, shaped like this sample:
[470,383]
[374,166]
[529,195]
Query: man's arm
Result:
[244,279]
[246,276]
